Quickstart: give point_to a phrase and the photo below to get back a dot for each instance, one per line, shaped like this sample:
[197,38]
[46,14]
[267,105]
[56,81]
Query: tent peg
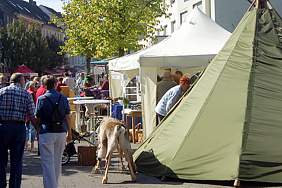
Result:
[236,183]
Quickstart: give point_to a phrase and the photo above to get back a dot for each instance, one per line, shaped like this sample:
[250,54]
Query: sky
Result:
[54,4]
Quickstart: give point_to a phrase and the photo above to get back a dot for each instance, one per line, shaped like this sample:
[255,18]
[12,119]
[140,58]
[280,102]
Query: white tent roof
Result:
[198,40]
[127,62]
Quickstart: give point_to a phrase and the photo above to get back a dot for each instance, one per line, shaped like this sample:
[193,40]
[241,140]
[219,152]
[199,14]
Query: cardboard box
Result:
[86,155]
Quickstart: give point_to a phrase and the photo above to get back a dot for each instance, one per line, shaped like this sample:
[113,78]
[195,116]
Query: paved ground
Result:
[75,176]
[80,177]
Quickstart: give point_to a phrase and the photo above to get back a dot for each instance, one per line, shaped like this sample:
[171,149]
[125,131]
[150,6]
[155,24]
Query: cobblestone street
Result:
[80,177]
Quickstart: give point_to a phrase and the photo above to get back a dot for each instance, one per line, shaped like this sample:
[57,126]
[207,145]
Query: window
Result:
[165,30]
[132,90]
[183,16]
[172,26]
[199,5]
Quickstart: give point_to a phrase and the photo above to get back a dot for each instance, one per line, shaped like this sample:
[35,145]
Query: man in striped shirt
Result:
[16,105]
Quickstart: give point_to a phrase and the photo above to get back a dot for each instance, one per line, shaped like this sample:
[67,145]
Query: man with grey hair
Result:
[164,85]
[41,90]
[52,111]
[16,105]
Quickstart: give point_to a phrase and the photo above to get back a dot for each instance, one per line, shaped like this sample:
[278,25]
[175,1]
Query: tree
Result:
[55,57]
[107,28]
[24,44]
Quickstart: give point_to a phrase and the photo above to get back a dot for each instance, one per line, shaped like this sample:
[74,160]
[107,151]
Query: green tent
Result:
[229,126]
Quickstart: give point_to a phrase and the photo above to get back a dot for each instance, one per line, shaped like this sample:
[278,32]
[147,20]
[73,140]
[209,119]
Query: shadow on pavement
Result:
[32,166]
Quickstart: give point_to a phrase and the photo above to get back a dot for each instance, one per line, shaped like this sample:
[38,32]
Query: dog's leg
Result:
[96,169]
[121,157]
[110,149]
[105,178]
[130,164]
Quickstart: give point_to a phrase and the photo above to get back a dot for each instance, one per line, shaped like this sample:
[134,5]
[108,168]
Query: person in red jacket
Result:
[59,84]
[32,90]
[41,90]
[30,130]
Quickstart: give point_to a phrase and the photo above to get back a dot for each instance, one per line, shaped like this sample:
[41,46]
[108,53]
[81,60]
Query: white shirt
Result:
[69,82]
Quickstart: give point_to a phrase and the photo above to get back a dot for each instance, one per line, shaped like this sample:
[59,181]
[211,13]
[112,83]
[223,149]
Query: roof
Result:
[26,9]
[29,10]
[197,41]
[100,62]
[24,69]
[52,11]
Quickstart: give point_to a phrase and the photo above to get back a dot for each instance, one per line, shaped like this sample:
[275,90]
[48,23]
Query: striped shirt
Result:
[16,104]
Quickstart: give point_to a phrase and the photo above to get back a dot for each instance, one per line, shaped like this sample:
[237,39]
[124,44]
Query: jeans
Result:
[52,146]
[159,118]
[30,133]
[12,137]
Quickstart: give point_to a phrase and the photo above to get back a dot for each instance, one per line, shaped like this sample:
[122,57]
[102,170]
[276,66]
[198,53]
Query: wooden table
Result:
[93,103]
[133,114]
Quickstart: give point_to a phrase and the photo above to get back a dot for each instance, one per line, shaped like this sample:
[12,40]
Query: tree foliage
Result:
[107,28]
[24,44]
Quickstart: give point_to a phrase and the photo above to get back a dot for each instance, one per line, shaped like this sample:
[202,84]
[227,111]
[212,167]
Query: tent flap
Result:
[229,126]
[261,158]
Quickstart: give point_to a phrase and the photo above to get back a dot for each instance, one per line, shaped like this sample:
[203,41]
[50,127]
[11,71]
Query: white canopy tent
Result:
[188,49]
[197,41]
[122,70]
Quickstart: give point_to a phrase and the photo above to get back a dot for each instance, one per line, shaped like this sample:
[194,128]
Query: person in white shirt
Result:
[69,81]
[171,97]
[80,83]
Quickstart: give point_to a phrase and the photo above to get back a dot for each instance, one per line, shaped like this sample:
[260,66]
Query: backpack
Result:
[57,120]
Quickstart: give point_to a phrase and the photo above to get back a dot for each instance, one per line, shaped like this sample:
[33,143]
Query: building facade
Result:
[49,30]
[30,13]
[226,13]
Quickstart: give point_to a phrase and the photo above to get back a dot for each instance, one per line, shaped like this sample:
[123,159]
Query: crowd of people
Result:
[25,110]
[35,108]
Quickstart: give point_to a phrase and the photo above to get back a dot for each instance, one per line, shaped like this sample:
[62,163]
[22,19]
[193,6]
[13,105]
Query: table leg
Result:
[77,117]
[110,113]
[133,128]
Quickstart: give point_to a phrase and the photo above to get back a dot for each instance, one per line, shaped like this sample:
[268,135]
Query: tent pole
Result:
[252,4]
[261,4]
[257,4]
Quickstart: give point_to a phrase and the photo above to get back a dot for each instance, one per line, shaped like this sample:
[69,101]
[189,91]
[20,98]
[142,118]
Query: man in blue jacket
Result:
[52,111]
[171,97]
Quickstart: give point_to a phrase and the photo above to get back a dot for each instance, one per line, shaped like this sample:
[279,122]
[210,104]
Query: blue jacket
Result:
[44,109]
[168,100]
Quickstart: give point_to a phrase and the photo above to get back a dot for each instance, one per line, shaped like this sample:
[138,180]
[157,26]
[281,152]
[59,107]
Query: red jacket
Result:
[33,94]
[40,91]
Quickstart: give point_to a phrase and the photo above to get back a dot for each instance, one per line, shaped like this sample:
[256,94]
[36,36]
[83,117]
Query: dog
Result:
[113,135]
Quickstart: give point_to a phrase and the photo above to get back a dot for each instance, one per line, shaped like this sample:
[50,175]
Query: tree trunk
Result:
[120,52]
[88,60]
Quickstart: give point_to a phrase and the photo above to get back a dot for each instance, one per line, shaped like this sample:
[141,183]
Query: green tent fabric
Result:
[229,126]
